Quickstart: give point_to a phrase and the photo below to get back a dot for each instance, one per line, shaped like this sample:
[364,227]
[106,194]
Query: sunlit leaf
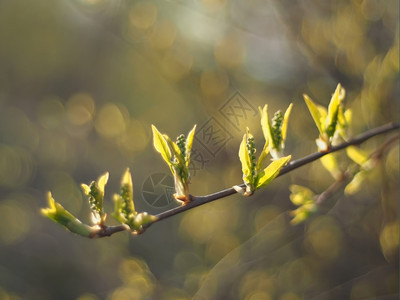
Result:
[60,215]
[175,150]
[124,208]
[245,160]
[302,213]
[272,171]
[355,184]
[263,155]
[95,193]
[102,181]
[315,113]
[188,144]
[333,111]
[161,145]
[265,124]
[330,163]
[300,195]
[285,121]
[143,219]
[357,155]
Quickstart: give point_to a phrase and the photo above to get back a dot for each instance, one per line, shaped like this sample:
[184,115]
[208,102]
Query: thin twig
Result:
[200,200]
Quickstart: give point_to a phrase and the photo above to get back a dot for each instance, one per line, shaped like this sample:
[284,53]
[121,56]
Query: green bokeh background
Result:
[82,81]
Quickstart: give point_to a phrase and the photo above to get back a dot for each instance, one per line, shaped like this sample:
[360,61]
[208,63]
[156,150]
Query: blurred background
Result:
[82,81]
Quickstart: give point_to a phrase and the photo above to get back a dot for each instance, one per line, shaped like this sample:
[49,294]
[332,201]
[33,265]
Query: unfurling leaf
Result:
[315,114]
[330,163]
[124,209]
[161,145]
[304,199]
[357,155]
[333,110]
[300,195]
[95,193]
[188,145]
[330,122]
[276,130]
[355,184]
[177,156]
[141,220]
[60,215]
[272,171]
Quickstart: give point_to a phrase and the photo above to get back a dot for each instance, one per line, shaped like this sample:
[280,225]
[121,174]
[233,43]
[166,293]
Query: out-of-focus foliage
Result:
[80,83]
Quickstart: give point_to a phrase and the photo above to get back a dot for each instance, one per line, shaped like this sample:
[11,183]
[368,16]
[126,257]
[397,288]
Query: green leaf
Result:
[188,144]
[285,122]
[124,208]
[357,155]
[300,195]
[315,113]
[245,160]
[127,191]
[333,110]
[176,151]
[272,171]
[95,193]
[302,213]
[141,220]
[265,124]
[60,215]
[355,184]
[262,157]
[330,163]
[161,145]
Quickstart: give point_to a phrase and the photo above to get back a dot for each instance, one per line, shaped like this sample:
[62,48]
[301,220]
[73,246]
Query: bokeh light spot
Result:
[177,63]
[324,237]
[80,109]
[163,35]
[110,121]
[389,240]
[143,15]
[230,51]
[50,112]
[214,82]
[135,138]
[16,166]
[15,222]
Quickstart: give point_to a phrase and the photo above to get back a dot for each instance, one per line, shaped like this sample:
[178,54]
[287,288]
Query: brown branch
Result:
[201,200]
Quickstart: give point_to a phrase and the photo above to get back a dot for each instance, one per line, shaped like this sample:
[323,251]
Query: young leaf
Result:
[300,195]
[272,171]
[175,150]
[95,193]
[265,124]
[141,220]
[161,145]
[315,113]
[188,145]
[285,121]
[60,215]
[333,110]
[330,163]
[124,208]
[263,155]
[357,155]
[302,213]
[245,160]
[355,184]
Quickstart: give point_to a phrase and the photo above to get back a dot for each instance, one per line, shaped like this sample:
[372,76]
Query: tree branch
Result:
[201,200]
